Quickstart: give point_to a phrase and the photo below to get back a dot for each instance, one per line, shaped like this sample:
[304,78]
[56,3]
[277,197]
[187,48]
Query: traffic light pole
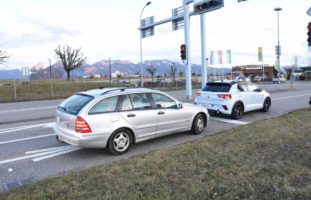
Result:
[203,50]
[187,42]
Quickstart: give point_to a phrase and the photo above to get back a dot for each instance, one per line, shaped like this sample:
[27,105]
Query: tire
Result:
[198,124]
[237,111]
[120,142]
[266,105]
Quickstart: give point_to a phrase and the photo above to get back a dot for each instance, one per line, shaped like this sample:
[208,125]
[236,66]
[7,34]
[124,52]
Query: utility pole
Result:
[50,68]
[110,70]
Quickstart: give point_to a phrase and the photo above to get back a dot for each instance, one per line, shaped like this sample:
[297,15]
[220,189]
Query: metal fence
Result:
[21,90]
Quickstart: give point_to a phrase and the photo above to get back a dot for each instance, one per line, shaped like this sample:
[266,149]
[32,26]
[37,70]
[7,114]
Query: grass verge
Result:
[270,159]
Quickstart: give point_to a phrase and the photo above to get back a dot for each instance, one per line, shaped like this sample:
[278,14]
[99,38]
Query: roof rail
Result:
[115,89]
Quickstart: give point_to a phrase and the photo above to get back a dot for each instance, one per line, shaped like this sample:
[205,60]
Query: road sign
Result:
[309,11]
[260,57]
[177,23]
[149,31]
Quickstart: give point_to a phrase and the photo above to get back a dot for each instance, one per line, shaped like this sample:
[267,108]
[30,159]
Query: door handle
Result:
[131,115]
[161,113]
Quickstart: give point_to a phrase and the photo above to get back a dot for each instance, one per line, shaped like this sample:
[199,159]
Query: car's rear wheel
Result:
[198,124]
[237,111]
[266,105]
[120,142]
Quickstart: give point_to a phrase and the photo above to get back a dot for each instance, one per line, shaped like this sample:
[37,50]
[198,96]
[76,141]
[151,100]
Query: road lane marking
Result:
[9,130]
[229,121]
[25,139]
[48,149]
[72,149]
[289,97]
[27,109]
[29,156]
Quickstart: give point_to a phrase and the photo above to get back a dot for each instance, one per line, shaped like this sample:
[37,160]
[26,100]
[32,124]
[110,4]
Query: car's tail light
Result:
[225,96]
[82,126]
[198,94]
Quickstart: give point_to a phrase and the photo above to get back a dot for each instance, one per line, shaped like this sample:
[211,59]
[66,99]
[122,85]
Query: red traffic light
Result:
[199,7]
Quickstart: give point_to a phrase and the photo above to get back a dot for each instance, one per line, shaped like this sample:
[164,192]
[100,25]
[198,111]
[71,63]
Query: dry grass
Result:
[270,159]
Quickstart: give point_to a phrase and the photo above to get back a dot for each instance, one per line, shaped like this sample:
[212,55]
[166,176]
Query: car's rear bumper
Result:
[213,107]
[89,140]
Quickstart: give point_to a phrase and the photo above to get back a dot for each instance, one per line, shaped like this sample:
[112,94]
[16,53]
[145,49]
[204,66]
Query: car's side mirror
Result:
[258,90]
[179,105]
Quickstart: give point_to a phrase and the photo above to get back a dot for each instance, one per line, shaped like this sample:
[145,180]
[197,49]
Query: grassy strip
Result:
[59,88]
[270,159]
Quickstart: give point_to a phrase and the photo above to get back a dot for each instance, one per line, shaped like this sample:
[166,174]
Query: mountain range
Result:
[102,68]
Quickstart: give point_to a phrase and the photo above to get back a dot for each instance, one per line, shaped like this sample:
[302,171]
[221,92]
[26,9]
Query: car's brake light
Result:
[225,96]
[82,126]
[198,94]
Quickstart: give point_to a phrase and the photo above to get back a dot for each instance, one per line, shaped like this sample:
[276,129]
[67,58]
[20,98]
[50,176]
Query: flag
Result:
[219,57]
[211,58]
[229,60]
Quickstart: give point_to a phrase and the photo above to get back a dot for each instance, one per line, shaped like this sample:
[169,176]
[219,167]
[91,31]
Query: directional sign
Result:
[149,31]
[178,23]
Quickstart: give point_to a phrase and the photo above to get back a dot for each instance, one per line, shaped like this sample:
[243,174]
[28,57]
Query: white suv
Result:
[233,98]
[119,117]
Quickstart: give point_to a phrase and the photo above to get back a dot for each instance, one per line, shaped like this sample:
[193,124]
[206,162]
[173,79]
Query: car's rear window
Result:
[217,87]
[75,103]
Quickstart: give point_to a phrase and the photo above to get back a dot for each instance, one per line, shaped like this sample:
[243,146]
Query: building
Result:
[252,71]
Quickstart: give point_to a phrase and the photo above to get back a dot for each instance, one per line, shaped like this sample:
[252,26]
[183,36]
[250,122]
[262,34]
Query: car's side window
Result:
[162,101]
[140,101]
[127,104]
[105,105]
[244,87]
[240,88]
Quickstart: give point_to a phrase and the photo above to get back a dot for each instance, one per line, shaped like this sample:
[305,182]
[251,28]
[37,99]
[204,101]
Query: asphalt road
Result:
[30,152]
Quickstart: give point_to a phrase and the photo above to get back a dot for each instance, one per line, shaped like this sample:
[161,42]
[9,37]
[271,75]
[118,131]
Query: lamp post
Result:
[50,68]
[141,49]
[278,48]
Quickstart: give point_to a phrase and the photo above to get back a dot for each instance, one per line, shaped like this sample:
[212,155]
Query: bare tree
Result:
[173,72]
[70,58]
[3,56]
[152,70]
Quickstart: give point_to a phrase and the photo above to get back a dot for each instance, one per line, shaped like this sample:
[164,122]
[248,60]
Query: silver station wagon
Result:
[116,118]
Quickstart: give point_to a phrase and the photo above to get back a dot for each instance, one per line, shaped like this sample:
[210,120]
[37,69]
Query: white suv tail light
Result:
[225,96]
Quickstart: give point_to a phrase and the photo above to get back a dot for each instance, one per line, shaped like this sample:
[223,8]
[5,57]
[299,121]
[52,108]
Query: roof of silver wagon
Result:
[103,91]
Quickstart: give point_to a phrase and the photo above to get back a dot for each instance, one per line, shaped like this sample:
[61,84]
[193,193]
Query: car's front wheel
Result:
[120,141]
[198,124]
[237,111]
[266,105]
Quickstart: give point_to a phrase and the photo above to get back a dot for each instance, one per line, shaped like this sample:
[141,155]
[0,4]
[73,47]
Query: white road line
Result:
[27,109]
[27,157]
[48,149]
[289,97]
[29,138]
[229,121]
[9,130]
[56,154]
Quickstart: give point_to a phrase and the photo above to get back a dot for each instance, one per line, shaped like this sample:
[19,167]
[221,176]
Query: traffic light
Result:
[309,34]
[183,53]
[203,6]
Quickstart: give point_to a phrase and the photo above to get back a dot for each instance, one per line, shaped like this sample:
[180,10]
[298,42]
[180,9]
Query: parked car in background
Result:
[279,80]
[233,98]
[116,118]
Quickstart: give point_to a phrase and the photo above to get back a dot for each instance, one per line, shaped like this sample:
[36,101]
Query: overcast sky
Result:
[30,30]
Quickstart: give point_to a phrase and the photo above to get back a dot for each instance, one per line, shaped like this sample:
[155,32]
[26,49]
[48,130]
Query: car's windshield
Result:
[217,87]
[75,103]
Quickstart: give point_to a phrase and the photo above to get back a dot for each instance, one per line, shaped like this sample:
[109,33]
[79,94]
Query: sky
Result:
[30,30]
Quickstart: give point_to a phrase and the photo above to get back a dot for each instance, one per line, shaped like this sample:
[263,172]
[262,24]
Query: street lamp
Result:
[141,49]
[278,48]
